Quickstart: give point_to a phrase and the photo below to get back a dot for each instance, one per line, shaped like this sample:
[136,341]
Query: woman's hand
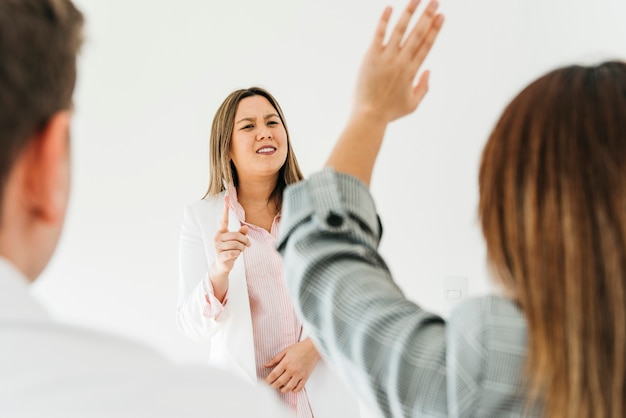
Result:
[292,367]
[385,89]
[385,86]
[228,247]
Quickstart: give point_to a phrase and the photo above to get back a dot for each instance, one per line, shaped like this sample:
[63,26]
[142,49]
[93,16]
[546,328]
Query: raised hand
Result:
[228,246]
[292,366]
[385,86]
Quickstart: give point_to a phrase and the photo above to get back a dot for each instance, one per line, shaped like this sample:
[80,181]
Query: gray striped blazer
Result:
[396,356]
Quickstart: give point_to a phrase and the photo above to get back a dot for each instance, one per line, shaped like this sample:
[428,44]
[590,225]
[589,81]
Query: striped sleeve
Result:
[388,349]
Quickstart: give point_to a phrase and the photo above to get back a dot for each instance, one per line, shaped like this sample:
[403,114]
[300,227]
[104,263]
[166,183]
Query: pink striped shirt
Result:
[275,325]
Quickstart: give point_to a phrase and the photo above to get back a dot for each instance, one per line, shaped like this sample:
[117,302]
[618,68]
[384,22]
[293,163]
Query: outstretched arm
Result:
[389,350]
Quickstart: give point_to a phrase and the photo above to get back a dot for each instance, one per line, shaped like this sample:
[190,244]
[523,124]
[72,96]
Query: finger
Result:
[428,42]
[299,386]
[281,381]
[222,249]
[403,22]
[381,29]
[415,38]
[421,88]
[224,222]
[273,377]
[290,385]
[230,246]
[277,358]
[224,256]
[244,231]
[235,236]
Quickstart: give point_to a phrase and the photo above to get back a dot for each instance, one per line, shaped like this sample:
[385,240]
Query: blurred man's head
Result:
[39,41]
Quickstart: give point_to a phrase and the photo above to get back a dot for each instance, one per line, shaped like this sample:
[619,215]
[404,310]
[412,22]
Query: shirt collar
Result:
[16,301]
[235,206]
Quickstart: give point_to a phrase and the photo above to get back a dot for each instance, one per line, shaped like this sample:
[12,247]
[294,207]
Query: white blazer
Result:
[231,340]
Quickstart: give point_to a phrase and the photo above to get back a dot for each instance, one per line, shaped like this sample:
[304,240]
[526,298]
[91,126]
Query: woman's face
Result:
[259,144]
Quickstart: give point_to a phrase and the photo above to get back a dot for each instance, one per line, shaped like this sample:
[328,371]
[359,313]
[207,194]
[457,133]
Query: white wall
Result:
[152,74]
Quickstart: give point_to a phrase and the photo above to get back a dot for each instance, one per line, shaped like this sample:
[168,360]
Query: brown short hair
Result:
[39,41]
[222,170]
[553,213]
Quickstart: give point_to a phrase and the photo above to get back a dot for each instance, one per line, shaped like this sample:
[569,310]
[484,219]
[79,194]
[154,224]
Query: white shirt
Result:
[54,370]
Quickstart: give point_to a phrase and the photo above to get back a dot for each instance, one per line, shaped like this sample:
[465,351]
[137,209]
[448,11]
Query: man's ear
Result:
[47,162]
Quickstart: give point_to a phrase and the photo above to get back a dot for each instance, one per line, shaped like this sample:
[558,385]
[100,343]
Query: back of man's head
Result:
[39,41]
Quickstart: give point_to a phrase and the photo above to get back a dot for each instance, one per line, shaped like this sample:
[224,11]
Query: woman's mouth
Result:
[266,150]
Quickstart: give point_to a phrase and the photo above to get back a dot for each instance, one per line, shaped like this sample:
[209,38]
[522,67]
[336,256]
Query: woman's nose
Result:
[264,133]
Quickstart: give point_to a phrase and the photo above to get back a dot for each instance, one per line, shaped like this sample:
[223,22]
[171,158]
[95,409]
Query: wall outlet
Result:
[453,291]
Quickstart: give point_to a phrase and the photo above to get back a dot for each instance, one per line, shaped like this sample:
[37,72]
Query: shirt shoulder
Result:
[204,212]
[207,202]
[487,344]
[51,369]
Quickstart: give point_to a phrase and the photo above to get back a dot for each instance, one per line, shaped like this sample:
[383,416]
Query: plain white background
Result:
[152,74]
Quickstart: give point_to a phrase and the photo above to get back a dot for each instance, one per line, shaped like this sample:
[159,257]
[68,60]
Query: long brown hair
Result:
[222,170]
[553,213]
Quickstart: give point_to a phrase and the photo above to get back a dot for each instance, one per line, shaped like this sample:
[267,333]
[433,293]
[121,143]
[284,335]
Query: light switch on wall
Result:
[454,290]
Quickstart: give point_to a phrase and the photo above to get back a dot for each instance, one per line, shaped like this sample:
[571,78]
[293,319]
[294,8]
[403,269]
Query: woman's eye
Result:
[248,126]
[272,122]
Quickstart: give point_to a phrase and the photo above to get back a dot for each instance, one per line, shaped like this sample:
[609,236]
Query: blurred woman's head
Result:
[553,213]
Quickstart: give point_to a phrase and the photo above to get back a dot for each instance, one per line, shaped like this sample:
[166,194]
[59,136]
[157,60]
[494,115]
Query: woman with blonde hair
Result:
[231,290]
[553,214]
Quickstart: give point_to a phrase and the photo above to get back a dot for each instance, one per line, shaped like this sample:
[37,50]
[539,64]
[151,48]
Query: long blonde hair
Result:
[553,213]
[222,170]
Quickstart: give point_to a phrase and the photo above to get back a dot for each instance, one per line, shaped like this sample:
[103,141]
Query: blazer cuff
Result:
[327,198]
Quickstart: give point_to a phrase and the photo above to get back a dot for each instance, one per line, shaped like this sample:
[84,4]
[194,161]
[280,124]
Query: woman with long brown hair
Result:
[553,214]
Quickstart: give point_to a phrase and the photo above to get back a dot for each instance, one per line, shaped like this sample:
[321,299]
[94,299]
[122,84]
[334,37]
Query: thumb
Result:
[244,229]
[273,362]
